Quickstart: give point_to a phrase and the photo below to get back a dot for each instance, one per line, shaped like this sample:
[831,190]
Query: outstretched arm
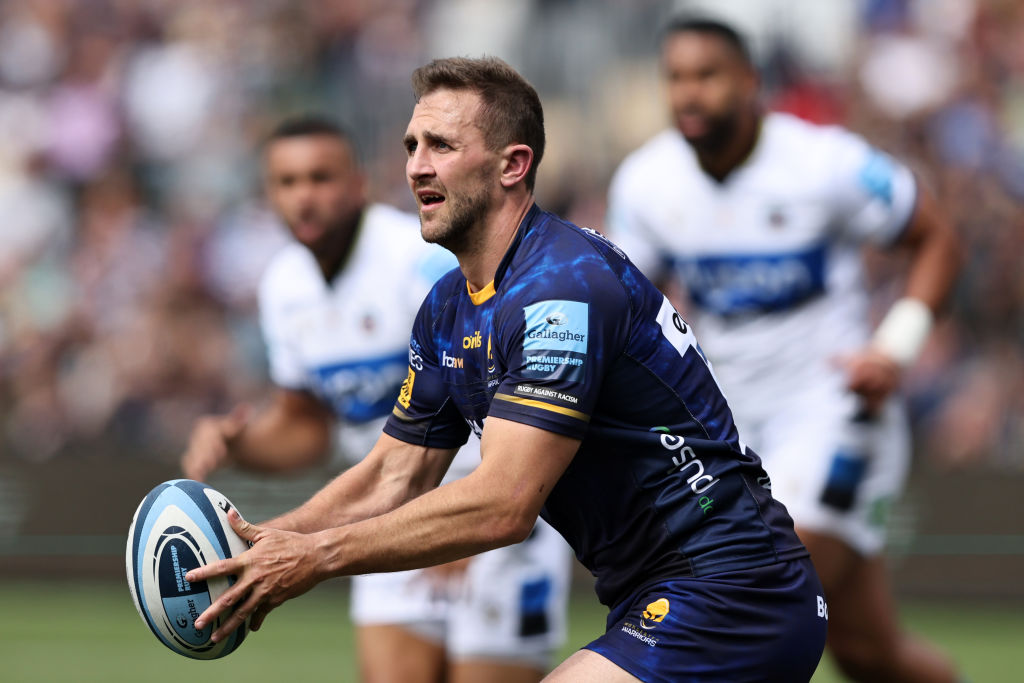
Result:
[292,432]
[875,372]
[496,505]
[394,472]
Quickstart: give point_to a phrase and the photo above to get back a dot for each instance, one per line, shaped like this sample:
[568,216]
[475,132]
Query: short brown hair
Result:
[510,111]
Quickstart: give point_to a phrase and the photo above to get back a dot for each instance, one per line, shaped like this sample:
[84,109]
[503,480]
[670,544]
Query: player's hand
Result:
[872,375]
[210,443]
[279,566]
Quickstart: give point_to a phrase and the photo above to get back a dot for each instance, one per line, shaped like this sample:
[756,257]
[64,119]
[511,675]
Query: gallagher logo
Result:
[654,614]
[557,318]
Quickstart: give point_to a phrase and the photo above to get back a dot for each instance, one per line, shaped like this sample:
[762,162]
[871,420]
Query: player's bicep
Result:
[528,459]
[926,222]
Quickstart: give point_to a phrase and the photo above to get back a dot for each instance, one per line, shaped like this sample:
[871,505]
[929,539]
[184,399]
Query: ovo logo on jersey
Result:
[654,614]
[405,394]
[687,462]
[474,342]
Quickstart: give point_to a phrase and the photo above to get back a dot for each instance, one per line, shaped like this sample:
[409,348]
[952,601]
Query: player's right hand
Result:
[872,375]
[210,444]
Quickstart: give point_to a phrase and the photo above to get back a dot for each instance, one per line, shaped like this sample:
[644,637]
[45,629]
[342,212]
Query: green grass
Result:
[52,632]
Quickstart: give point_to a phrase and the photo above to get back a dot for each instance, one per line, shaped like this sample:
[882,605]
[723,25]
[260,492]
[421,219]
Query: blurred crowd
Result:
[132,231]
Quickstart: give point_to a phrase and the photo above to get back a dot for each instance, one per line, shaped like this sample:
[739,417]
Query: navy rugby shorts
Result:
[766,624]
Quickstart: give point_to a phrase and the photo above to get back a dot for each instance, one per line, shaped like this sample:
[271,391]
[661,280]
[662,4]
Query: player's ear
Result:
[516,161]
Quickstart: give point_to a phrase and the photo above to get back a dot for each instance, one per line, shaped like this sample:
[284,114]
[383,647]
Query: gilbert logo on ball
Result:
[180,525]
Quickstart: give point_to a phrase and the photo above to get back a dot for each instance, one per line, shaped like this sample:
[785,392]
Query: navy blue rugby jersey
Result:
[572,338]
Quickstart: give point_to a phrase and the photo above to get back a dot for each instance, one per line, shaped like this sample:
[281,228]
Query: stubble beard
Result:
[719,135]
[460,230]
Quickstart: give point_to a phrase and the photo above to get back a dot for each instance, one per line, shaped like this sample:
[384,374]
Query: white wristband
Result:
[904,330]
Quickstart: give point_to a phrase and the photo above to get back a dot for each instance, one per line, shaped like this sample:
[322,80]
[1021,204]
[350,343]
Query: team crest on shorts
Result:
[654,614]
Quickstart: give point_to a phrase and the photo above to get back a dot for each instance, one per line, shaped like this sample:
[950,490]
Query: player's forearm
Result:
[934,270]
[273,443]
[936,255]
[354,495]
[392,473]
[453,521]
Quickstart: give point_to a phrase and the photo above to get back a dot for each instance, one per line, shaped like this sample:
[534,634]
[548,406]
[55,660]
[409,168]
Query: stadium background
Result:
[132,235]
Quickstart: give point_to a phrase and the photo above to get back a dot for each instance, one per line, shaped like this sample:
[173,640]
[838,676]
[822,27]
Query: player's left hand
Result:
[279,566]
[872,375]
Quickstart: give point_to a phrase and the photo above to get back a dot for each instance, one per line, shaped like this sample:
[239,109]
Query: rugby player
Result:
[760,218]
[596,409]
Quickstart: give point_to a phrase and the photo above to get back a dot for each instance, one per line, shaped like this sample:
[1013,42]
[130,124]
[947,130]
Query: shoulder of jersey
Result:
[389,234]
[555,239]
[791,136]
[386,217]
[665,154]
[393,236]
[290,269]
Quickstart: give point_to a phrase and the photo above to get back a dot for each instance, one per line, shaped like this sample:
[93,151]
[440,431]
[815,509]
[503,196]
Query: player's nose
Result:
[418,165]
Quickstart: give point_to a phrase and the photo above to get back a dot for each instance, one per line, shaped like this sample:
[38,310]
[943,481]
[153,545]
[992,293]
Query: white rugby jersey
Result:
[347,341]
[770,257]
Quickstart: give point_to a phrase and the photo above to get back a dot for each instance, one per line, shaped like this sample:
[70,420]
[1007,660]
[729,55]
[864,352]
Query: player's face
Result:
[313,183]
[450,169]
[709,87]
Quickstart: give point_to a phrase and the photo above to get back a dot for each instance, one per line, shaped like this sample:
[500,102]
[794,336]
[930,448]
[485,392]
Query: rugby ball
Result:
[180,525]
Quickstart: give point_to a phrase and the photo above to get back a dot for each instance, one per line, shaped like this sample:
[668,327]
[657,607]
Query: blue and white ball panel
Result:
[179,526]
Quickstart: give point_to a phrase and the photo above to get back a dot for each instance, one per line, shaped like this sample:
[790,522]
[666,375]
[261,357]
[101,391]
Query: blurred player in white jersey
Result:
[760,219]
[336,307]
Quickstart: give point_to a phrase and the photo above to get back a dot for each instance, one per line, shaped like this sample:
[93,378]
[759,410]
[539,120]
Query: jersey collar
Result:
[491,288]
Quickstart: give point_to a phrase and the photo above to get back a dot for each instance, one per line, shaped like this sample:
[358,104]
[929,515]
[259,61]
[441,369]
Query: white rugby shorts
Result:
[510,605]
[810,451]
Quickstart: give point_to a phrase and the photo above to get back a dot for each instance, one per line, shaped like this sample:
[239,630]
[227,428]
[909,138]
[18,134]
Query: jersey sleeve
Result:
[627,224]
[876,194]
[286,368]
[424,413]
[557,338]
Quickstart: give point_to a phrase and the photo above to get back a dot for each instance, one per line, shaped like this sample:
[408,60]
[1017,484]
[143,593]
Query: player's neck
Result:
[720,162]
[480,263]
[335,253]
